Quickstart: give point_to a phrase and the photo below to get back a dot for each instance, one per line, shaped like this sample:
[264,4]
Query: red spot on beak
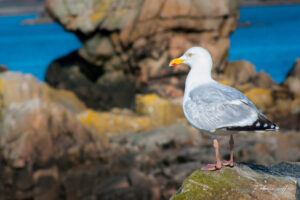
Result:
[174,64]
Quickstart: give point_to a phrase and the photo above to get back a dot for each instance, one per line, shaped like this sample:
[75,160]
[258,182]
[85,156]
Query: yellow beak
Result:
[175,62]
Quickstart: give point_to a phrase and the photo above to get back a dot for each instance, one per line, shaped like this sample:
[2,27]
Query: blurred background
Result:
[89,108]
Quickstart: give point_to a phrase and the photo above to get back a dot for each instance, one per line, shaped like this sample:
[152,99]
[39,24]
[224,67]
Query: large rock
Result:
[39,124]
[137,39]
[40,136]
[239,71]
[244,181]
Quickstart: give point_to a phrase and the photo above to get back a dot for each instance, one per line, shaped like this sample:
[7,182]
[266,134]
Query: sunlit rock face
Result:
[39,124]
[135,40]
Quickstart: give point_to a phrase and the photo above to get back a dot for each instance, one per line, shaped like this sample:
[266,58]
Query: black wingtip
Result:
[261,124]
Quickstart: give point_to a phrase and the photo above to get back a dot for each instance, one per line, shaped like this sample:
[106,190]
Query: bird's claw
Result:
[210,167]
[227,163]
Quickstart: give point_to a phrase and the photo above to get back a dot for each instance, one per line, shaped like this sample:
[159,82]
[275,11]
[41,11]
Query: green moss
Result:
[223,184]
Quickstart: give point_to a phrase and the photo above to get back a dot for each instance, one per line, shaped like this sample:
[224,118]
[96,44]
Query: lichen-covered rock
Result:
[243,182]
[162,112]
[152,112]
[137,38]
[114,122]
[262,98]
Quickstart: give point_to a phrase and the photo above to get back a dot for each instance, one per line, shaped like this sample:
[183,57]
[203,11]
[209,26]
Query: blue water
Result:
[271,42]
[31,48]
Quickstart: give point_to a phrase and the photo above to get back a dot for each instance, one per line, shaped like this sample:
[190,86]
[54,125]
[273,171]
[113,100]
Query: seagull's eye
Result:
[189,54]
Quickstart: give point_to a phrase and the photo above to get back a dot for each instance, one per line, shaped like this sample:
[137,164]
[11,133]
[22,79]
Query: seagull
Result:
[215,108]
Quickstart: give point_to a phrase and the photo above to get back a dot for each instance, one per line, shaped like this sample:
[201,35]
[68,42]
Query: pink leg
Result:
[230,162]
[218,165]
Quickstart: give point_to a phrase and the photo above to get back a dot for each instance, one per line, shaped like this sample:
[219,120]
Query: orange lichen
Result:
[262,98]
[111,124]
[226,82]
[99,11]
[161,111]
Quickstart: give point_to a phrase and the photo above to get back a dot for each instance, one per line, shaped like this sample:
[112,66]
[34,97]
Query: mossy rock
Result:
[240,182]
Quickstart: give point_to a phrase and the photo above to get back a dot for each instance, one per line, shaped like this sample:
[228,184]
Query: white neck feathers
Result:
[200,73]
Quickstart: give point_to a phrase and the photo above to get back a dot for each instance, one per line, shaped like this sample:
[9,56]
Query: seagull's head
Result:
[194,57]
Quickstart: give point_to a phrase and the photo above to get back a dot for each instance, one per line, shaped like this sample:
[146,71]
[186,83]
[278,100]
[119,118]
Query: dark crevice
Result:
[91,71]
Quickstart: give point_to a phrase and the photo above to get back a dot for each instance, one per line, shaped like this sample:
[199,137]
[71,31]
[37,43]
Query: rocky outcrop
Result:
[40,135]
[244,181]
[38,124]
[52,146]
[128,45]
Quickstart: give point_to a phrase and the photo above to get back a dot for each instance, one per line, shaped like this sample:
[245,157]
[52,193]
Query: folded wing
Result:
[216,106]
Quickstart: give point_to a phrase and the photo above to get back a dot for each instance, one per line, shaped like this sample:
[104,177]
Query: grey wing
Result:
[215,106]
